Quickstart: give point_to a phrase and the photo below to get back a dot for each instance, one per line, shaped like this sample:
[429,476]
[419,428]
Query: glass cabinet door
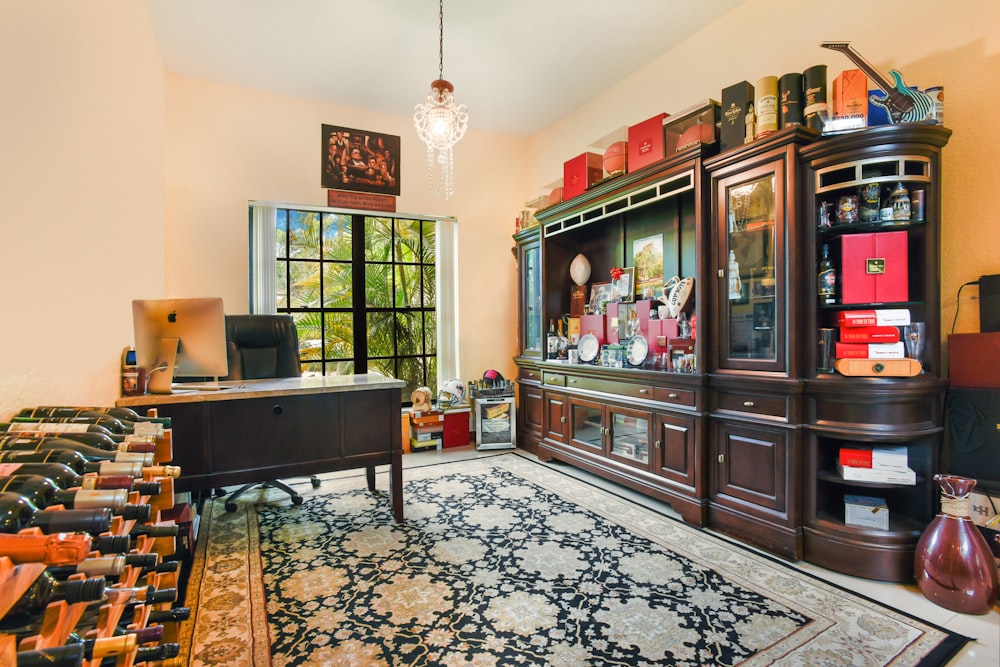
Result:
[629,435]
[752,258]
[587,424]
[530,265]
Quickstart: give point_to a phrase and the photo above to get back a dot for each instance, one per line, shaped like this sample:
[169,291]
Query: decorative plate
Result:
[588,347]
[636,350]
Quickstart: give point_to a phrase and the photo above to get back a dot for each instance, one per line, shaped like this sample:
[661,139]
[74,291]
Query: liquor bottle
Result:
[121,414]
[90,453]
[46,589]
[56,549]
[17,512]
[69,655]
[827,279]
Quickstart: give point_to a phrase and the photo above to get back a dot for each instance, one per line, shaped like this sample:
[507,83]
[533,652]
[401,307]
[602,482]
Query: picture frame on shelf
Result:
[625,286]
[600,294]
[647,258]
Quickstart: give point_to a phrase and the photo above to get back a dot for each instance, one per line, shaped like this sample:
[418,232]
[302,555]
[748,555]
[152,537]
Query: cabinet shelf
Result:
[901,528]
[834,478]
[835,231]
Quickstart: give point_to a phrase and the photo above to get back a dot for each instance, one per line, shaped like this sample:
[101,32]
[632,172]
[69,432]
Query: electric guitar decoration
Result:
[904,104]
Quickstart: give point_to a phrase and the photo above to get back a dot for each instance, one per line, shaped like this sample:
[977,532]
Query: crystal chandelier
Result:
[440,122]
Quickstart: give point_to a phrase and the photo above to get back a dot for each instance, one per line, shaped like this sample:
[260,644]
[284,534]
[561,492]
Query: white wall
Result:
[81,181]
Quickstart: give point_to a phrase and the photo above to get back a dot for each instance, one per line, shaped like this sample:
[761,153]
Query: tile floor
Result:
[984,651]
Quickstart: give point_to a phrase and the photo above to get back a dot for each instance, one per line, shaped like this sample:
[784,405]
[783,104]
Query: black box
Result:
[973,437]
[736,100]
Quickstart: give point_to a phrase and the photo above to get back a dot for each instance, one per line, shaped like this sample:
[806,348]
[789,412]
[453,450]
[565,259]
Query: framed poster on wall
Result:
[359,160]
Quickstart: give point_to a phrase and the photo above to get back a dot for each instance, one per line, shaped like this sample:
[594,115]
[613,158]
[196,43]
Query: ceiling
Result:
[519,65]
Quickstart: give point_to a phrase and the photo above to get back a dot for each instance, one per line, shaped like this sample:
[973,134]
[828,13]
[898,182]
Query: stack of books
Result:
[426,430]
[871,334]
[888,465]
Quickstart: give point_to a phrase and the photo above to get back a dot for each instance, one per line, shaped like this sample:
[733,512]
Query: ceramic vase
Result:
[953,563]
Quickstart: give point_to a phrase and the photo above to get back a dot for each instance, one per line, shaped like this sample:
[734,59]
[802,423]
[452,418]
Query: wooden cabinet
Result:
[530,410]
[747,439]
[859,412]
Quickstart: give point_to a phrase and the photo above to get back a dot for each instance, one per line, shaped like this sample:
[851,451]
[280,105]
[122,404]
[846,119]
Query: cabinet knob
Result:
[747,404]
[643,391]
[657,444]
[672,395]
[278,410]
[563,419]
[722,458]
[722,273]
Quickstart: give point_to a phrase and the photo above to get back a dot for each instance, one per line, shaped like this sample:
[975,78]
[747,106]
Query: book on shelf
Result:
[870,351]
[880,475]
[882,458]
[874,318]
[873,334]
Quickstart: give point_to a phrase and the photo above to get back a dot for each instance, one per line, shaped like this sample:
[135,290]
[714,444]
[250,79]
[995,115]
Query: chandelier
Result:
[440,123]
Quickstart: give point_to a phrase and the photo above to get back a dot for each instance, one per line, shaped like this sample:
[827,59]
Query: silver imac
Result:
[180,338]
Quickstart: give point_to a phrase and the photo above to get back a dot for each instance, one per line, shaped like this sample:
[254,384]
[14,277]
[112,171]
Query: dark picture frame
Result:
[359,160]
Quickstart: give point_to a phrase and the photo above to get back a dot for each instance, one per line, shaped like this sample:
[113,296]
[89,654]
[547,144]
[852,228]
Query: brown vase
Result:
[953,563]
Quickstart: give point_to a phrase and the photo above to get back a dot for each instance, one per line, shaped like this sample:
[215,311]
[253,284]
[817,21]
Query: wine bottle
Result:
[827,279]
[79,463]
[55,549]
[89,434]
[145,654]
[69,655]
[562,343]
[90,453]
[551,341]
[109,567]
[46,589]
[119,413]
[175,615]
[108,422]
[66,478]
[17,512]
[43,492]
[112,544]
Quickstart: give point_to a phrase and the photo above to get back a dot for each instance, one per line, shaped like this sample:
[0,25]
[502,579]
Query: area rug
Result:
[505,561]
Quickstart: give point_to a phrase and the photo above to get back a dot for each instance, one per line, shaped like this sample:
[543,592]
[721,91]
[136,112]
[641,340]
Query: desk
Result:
[258,430]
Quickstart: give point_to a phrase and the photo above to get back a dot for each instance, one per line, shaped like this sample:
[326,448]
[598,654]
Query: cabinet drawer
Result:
[612,387]
[752,403]
[529,375]
[674,395]
[554,379]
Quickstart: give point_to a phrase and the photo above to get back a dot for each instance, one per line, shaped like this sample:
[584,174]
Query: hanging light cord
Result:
[440,39]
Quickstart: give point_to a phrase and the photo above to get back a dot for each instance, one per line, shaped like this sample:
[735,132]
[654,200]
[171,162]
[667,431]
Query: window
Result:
[369,293]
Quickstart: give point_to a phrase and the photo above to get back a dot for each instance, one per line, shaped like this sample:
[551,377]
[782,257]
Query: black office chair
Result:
[262,347]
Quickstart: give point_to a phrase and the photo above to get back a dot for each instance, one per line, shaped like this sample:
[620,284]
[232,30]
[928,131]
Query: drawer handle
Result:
[643,391]
[747,404]
[672,395]
[572,381]
[278,410]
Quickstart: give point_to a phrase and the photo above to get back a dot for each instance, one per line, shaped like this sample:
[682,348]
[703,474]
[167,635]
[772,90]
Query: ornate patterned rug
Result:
[503,561]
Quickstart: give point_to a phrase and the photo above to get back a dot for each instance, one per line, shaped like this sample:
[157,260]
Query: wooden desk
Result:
[258,430]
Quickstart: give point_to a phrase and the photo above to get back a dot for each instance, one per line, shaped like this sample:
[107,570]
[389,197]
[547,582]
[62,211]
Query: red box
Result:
[456,427]
[874,267]
[594,324]
[580,173]
[645,142]
[974,360]
[661,331]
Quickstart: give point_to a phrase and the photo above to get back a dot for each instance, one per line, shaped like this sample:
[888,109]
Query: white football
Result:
[579,270]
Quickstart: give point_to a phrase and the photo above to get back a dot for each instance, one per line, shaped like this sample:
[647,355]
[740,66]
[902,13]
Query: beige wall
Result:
[952,44]
[120,182]
[81,182]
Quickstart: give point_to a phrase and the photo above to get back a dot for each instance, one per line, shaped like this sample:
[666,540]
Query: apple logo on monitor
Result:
[172,316]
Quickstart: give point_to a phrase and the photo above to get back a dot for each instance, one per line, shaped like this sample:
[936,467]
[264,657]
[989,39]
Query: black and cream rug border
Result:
[502,560]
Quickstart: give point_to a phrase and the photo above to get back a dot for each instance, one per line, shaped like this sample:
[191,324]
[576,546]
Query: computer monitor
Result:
[179,338]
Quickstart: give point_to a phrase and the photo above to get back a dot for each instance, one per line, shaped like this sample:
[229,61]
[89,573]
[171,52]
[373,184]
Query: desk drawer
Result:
[752,403]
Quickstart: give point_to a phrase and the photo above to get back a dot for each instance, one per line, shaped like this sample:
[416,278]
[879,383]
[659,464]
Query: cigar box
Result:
[580,173]
[874,267]
[645,142]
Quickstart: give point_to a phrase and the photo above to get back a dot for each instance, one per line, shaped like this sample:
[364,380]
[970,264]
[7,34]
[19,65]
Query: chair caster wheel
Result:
[230,507]
[296,500]
[315,482]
